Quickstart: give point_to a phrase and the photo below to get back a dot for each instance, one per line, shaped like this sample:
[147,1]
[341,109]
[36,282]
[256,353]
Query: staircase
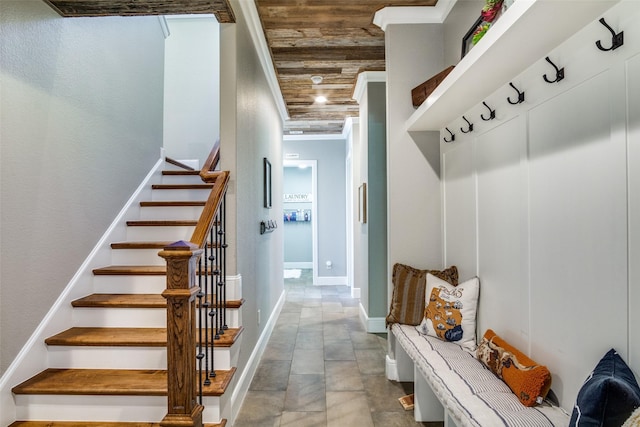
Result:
[110,369]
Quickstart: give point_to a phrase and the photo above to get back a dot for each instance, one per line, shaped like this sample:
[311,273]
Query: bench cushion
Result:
[472,395]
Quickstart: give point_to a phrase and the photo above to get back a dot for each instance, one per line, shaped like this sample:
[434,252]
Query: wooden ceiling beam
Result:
[94,8]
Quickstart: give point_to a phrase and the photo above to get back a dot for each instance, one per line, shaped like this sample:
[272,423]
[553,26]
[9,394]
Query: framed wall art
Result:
[267,183]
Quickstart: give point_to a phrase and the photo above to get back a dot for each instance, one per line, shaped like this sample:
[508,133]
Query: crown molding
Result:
[367,77]
[257,35]
[413,14]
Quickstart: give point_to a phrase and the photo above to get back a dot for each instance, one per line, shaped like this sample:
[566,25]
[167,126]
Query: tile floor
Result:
[321,368]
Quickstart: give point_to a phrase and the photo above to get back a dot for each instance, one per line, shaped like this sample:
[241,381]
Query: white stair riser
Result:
[84,357]
[91,408]
[181,179]
[180,194]
[120,317]
[136,257]
[171,234]
[146,285]
[217,408]
[138,317]
[170,212]
[109,408]
[129,284]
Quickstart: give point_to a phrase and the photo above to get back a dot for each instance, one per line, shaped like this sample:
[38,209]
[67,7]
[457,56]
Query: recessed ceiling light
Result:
[316,80]
[321,99]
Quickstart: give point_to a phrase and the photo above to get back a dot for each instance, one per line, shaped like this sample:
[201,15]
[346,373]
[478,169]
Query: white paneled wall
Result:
[543,204]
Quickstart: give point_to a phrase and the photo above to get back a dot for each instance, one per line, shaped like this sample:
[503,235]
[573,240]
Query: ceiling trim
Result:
[259,41]
[413,14]
[346,130]
[367,77]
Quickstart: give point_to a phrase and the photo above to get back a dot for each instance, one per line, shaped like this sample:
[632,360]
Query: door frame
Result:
[313,164]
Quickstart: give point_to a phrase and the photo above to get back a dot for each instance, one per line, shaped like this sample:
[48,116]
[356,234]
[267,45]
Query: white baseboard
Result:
[372,324]
[331,280]
[244,382]
[391,369]
[355,293]
[305,265]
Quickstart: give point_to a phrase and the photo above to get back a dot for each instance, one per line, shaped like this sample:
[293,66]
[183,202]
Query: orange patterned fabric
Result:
[529,381]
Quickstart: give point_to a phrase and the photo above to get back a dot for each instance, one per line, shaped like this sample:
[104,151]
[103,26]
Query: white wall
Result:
[251,129]
[81,110]
[192,87]
[414,53]
[542,202]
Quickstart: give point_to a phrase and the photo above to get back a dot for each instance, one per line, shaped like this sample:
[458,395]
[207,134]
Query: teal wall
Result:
[377,199]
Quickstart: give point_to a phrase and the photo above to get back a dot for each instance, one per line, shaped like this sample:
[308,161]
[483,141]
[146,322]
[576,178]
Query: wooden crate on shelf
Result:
[421,92]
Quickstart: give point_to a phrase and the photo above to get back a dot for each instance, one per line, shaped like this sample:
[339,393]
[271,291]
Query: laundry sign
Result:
[297,197]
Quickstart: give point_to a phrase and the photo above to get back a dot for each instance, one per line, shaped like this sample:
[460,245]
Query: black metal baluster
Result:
[212,313]
[205,307]
[218,275]
[223,258]
[200,354]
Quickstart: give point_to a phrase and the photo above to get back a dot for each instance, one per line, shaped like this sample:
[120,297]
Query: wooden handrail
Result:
[199,236]
[207,171]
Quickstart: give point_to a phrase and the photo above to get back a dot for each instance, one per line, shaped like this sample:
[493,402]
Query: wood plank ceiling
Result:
[87,8]
[333,39]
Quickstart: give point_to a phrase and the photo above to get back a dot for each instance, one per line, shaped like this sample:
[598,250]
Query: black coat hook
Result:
[617,40]
[520,96]
[559,73]
[469,126]
[492,113]
[453,137]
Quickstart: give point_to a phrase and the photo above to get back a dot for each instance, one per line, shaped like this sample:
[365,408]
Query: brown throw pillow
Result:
[409,287]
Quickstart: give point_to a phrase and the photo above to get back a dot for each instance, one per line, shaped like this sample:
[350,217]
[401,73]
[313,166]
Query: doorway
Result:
[300,219]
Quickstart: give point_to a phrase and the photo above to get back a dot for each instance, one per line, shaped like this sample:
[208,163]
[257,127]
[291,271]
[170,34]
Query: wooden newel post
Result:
[183,408]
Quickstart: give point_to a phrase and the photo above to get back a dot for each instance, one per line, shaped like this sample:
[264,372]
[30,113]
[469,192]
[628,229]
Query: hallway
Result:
[320,368]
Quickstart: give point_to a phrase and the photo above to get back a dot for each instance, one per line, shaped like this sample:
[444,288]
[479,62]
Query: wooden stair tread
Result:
[182,186]
[181,172]
[167,203]
[163,223]
[135,270]
[141,245]
[133,301]
[223,423]
[111,382]
[148,245]
[127,337]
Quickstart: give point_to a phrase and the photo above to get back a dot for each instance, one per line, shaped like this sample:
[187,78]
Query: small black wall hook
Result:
[469,126]
[559,73]
[453,137]
[520,96]
[617,40]
[492,113]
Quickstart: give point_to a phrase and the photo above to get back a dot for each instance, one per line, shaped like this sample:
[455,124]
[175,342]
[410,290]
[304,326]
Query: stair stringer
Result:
[33,356]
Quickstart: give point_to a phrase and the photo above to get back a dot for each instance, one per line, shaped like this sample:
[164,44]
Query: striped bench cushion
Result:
[473,395]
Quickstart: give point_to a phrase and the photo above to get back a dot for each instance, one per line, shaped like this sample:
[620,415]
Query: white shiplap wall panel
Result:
[633,142]
[502,231]
[578,233]
[460,210]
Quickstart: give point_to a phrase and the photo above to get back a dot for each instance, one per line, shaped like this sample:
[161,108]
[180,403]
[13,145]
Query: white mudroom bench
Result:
[452,385]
